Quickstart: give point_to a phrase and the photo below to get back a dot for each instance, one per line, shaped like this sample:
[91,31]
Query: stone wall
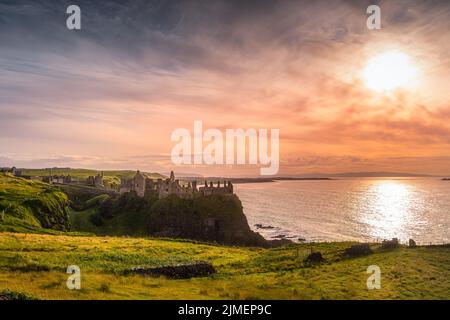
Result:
[164,187]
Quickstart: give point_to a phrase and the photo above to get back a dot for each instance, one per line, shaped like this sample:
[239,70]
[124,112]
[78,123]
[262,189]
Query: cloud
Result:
[140,69]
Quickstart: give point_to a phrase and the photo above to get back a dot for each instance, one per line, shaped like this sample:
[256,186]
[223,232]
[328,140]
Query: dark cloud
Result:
[235,63]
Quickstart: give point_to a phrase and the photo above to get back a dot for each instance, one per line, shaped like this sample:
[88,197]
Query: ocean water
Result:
[363,209]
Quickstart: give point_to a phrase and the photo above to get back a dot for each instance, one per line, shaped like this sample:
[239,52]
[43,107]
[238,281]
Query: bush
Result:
[315,257]
[105,287]
[13,295]
[106,209]
[358,250]
[96,220]
[390,244]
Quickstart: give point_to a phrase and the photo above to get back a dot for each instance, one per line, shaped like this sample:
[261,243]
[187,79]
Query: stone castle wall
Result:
[165,187]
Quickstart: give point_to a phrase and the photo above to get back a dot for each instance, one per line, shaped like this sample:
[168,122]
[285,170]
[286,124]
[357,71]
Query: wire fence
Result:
[379,241]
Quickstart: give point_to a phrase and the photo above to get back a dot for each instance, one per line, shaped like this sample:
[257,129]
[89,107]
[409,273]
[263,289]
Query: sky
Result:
[109,96]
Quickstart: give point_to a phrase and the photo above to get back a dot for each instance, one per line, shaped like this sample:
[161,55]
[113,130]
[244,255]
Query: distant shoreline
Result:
[266,180]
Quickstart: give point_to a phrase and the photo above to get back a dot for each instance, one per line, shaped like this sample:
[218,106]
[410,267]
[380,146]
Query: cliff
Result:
[215,218]
[34,206]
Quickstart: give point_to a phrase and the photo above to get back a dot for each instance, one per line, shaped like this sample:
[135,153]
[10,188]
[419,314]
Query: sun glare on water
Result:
[389,71]
[391,206]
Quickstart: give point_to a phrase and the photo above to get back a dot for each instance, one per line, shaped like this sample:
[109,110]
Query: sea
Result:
[354,209]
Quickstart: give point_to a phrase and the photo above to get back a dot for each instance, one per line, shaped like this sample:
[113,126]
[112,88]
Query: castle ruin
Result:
[96,181]
[61,179]
[143,185]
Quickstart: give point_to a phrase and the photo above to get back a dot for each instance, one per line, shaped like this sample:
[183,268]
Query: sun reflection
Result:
[390,203]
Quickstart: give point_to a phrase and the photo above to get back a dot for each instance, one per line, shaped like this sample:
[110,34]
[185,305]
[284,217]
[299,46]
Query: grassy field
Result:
[34,259]
[111,178]
[84,173]
[36,264]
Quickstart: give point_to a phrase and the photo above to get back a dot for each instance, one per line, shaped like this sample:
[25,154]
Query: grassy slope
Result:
[132,223]
[29,205]
[36,264]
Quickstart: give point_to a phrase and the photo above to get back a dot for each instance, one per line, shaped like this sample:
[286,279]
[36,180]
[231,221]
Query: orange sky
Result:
[110,95]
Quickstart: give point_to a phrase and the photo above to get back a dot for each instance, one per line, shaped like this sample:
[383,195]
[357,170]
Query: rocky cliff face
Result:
[215,218]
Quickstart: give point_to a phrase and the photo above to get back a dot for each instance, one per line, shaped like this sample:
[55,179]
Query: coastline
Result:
[265,180]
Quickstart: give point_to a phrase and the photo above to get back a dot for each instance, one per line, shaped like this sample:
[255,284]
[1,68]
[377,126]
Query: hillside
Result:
[84,173]
[110,177]
[27,205]
[214,218]
[242,273]
[31,208]
[30,205]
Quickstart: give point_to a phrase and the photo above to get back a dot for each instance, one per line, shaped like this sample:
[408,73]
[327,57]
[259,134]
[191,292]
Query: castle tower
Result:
[172,176]
[139,183]
[230,187]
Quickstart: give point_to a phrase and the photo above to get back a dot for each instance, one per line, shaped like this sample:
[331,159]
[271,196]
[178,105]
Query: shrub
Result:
[390,244]
[13,295]
[105,287]
[106,209]
[315,257]
[358,250]
[96,220]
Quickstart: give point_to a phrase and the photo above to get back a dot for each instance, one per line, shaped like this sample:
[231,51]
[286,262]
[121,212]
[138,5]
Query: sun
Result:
[389,71]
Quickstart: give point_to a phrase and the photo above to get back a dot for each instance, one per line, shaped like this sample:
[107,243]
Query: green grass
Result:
[33,259]
[95,201]
[132,223]
[12,295]
[109,176]
[36,265]
[127,219]
[84,173]
[31,205]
